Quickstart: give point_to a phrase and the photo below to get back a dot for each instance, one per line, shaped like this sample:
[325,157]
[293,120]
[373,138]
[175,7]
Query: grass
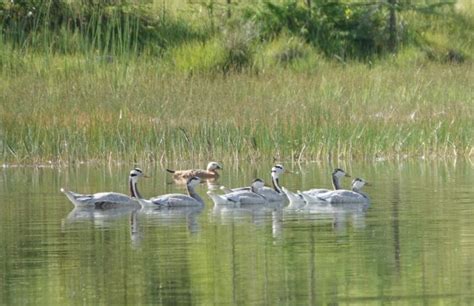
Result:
[146,88]
[71,109]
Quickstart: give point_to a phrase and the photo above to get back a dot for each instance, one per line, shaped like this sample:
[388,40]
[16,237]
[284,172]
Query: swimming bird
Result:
[108,199]
[209,173]
[336,176]
[177,199]
[311,195]
[296,200]
[272,194]
[242,196]
[347,196]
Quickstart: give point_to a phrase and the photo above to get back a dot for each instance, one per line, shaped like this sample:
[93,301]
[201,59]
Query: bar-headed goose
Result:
[336,176]
[242,196]
[347,196]
[177,199]
[311,195]
[108,199]
[272,194]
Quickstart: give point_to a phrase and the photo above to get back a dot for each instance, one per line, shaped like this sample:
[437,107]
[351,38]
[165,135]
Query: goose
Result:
[296,201]
[242,196]
[192,199]
[336,175]
[272,194]
[311,195]
[347,196]
[209,173]
[108,199]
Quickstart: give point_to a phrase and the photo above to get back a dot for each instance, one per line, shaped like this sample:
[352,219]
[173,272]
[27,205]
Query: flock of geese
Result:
[256,193]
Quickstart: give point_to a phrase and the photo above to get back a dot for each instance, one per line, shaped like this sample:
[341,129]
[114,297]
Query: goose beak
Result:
[347,175]
[368,184]
[146,176]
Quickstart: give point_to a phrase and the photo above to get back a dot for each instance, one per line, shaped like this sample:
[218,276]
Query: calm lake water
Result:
[413,245]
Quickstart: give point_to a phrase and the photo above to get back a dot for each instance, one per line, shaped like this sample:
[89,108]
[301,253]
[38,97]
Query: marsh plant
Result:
[125,81]
[113,112]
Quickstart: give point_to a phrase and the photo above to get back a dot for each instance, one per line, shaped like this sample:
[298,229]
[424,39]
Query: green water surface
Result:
[413,245]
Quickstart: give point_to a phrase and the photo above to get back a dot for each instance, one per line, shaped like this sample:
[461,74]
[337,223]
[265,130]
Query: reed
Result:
[122,83]
[68,109]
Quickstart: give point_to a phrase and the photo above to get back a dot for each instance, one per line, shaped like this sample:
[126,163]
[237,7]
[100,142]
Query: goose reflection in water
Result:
[173,216]
[258,214]
[170,216]
[99,217]
[106,218]
[338,215]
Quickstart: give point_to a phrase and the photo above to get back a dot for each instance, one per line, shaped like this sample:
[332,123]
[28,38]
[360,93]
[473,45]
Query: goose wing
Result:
[174,200]
[270,194]
[98,199]
[248,197]
[316,191]
[112,200]
[342,196]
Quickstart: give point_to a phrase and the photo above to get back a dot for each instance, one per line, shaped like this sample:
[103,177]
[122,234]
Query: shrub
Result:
[198,56]
[105,26]
[286,49]
[237,40]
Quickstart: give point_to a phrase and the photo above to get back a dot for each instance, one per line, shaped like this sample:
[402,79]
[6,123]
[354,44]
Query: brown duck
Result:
[209,173]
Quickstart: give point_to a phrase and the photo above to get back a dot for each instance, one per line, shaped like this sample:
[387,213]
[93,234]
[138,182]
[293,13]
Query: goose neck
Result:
[335,182]
[276,183]
[193,194]
[134,193]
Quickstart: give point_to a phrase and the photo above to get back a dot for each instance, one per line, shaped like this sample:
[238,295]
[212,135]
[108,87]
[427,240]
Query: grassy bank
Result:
[71,109]
[152,82]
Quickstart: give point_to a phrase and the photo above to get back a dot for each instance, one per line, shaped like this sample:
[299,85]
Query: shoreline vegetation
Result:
[151,84]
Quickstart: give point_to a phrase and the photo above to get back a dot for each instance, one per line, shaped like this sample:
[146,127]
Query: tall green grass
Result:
[70,109]
[123,84]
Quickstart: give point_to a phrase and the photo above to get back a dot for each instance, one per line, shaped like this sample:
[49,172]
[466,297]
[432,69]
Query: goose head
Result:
[277,170]
[136,173]
[193,181]
[257,184]
[358,183]
[213,166]
[339,173]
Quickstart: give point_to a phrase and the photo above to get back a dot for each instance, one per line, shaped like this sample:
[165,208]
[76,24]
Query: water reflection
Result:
[257,214]
[163,217]
[414,244]
[103,218]
[173,215]
[99,217]
[338,216]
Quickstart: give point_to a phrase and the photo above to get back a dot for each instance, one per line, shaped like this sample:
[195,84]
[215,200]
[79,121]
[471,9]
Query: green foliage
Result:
[198,56]
[445,37]
[287,50]
[237,40]
[335,28]
[116,29]
[69,109]
[345,30]
[351,30]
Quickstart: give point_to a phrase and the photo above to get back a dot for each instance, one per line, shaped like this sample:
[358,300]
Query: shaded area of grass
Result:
[74,109]
[126,81]
[346,30]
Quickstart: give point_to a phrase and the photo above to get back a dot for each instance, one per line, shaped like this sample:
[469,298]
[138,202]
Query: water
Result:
[413,245]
